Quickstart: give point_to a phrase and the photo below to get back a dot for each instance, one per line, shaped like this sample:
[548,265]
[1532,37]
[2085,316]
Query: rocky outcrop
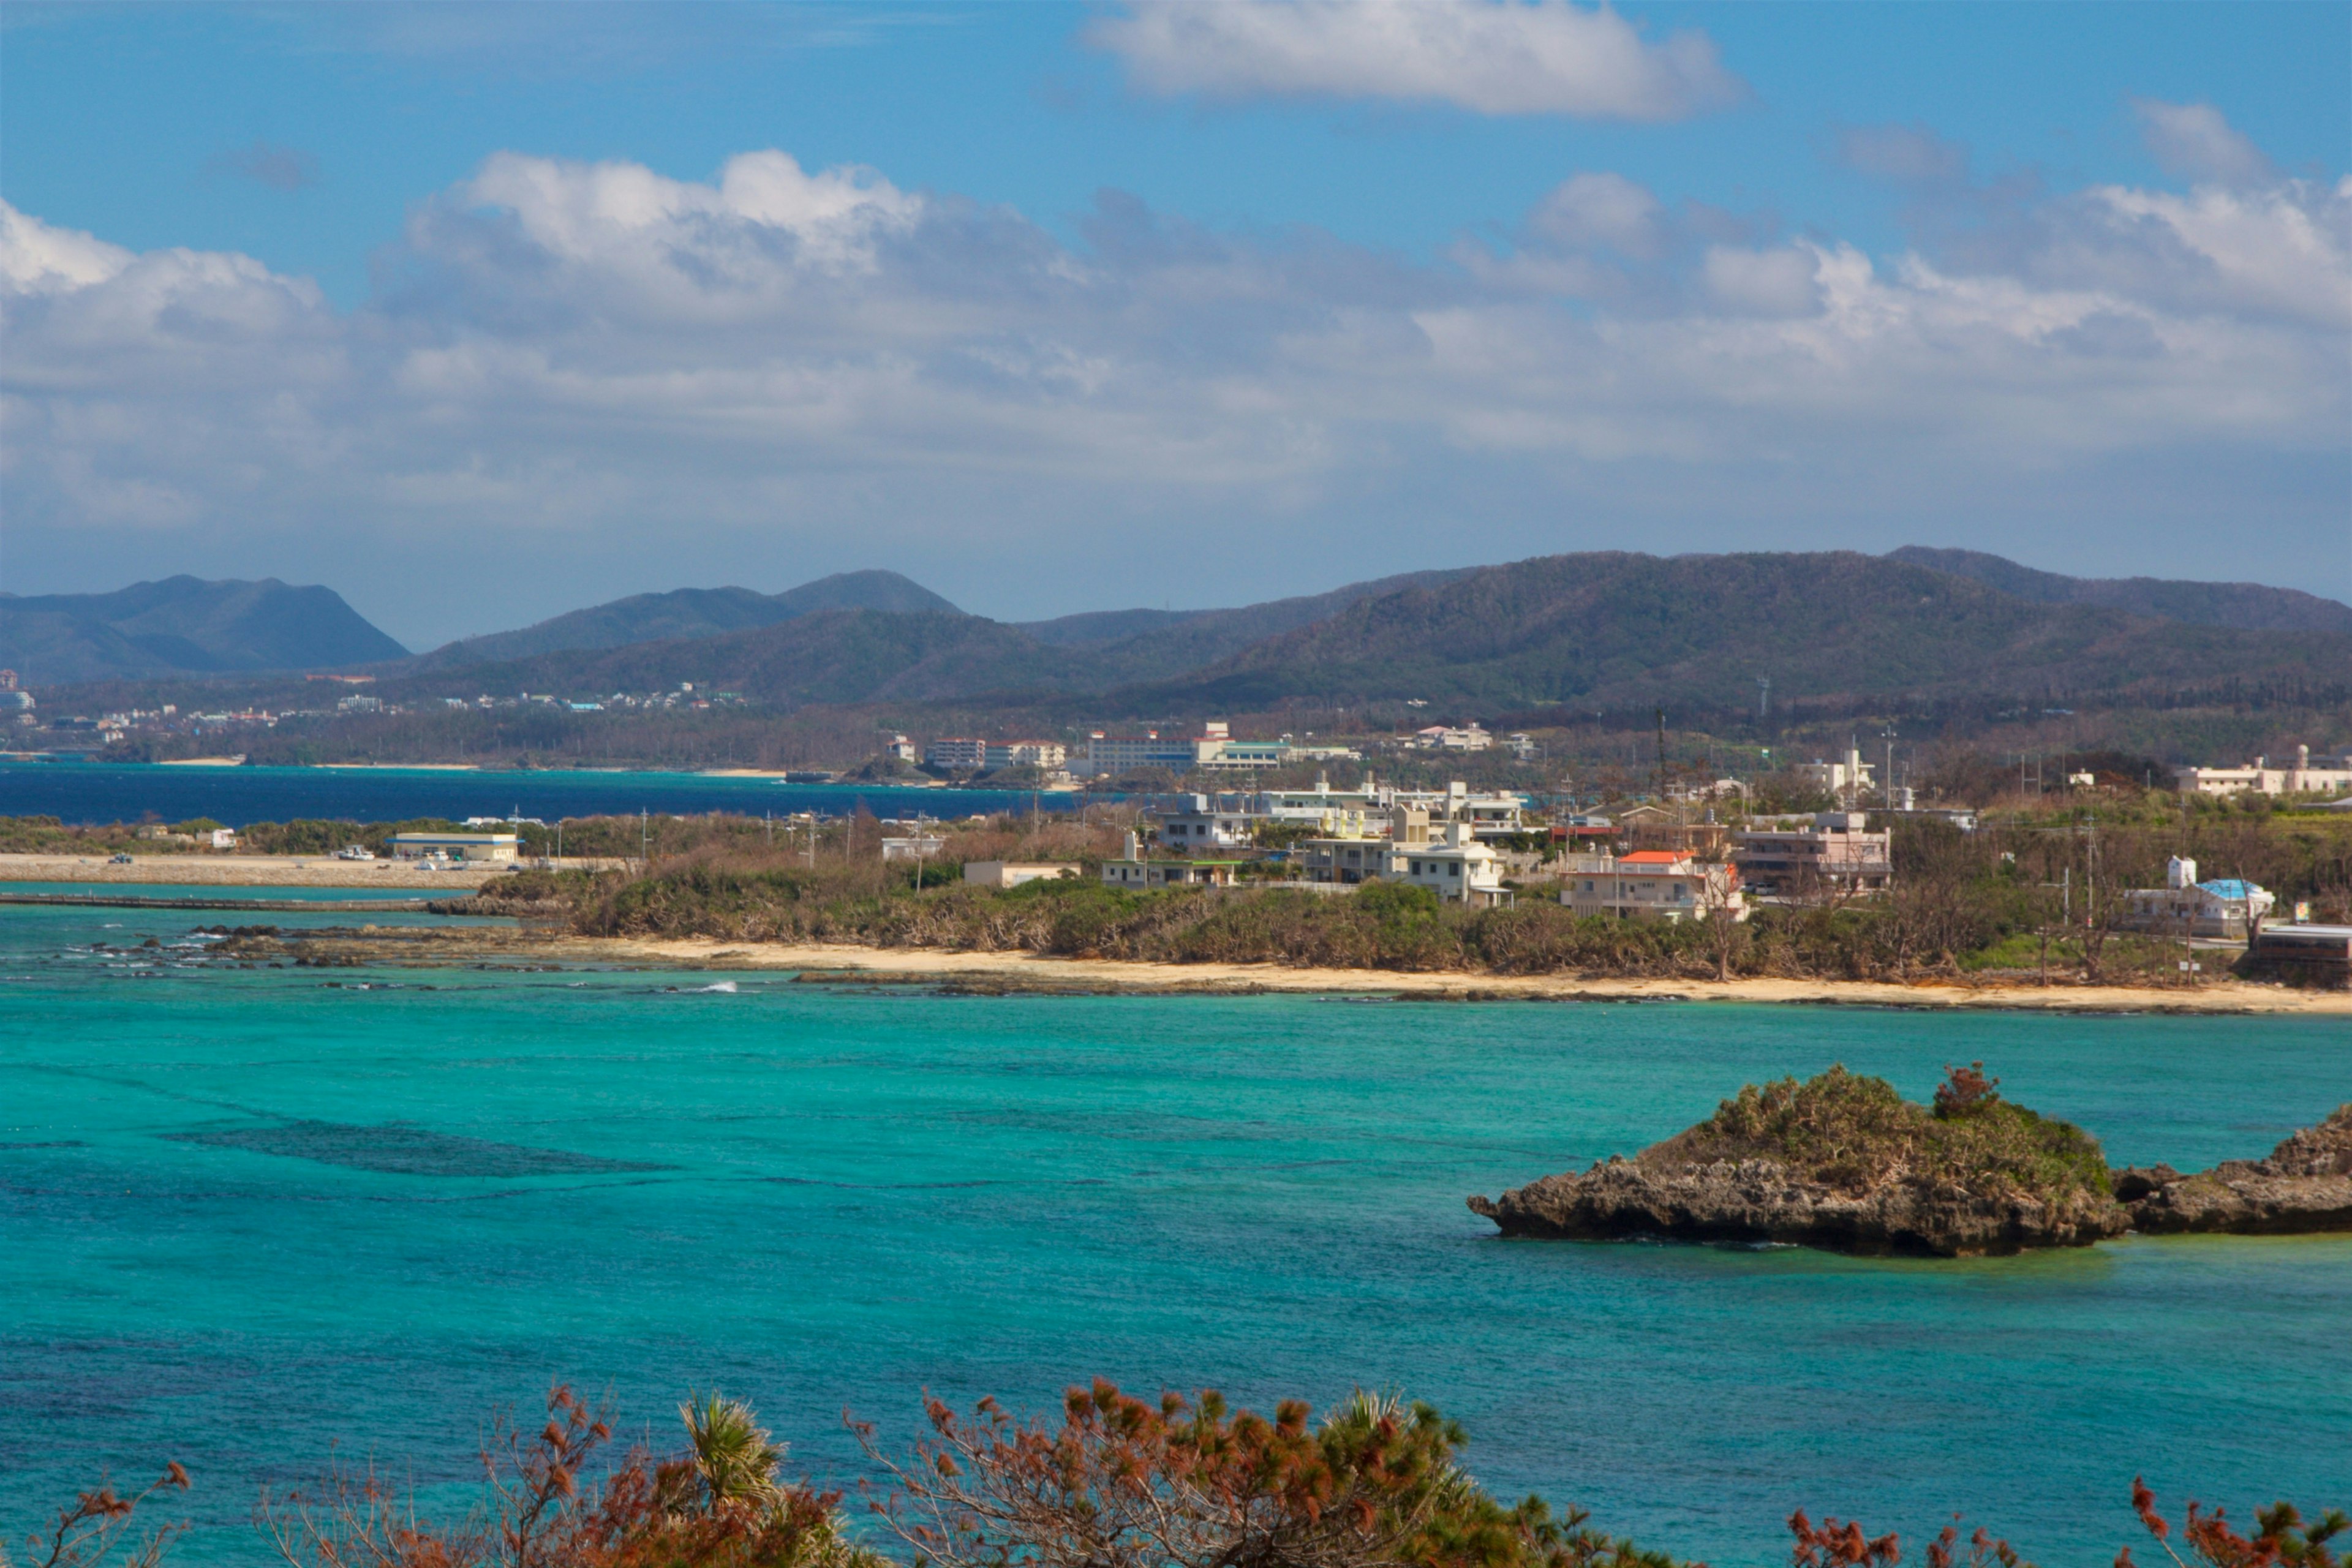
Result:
[1766,1200]
[2305,1185]
[1846,1163]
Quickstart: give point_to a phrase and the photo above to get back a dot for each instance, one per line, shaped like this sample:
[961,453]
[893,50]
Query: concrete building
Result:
[1345,858]
[1488,815]
[1837,852]
[2225,909]
[1013,874]
[1454,865]
[1470,737]
[2331,775]
[1025,753]
[959,753]
[913,846]
[1652,885]
[474,849]
[1134,870]
[2312,953]
[1120,753]
[1840,780]
[1200,824]
[901,749]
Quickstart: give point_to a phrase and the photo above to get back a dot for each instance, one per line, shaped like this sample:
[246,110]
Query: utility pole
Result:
[1763,700]
[1661,756]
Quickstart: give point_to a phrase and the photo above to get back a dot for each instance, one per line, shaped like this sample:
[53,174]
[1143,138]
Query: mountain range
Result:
[1592,632]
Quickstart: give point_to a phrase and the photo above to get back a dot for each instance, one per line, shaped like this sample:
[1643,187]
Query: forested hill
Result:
[1591,631]
[2249,606]
[183,626]
[1605,631]
[689,612]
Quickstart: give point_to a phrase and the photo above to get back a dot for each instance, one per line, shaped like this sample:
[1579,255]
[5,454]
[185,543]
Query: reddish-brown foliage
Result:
[84,1533]
[2282,1536]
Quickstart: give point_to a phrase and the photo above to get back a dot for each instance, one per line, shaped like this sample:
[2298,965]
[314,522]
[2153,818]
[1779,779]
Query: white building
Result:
[2332,776]
[1455,867]
[1199,824]
[900,748]
[1120,753]
[471,848]
[1843,779]
[913,846]
[1133,871]
[956,752]
[1013,874]
[1651,884]
[1029,753]
[2224,909]
[1470,737]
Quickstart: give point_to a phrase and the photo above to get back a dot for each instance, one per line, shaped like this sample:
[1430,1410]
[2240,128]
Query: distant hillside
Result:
[689,612]
[1609,631]
[2249,606]
[184,625]
[831,656]
[1186,639]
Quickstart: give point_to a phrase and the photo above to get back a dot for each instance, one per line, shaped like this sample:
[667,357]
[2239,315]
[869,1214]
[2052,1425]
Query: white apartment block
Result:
[2332,776]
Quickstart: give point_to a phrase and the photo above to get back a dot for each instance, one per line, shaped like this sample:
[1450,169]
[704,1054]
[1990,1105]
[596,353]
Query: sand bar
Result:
[1019,969]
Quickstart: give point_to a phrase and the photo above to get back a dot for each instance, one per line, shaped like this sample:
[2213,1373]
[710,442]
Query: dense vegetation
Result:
[1856,1133]
[1120,1482]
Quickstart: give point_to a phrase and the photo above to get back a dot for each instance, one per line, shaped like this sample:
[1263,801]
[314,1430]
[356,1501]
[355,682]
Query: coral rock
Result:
[2305,1185]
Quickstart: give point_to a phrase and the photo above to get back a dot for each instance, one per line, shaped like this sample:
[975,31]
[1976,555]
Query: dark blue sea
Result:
[122,792]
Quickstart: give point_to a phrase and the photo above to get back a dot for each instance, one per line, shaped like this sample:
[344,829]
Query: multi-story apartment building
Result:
[2332,776]
[1836,853]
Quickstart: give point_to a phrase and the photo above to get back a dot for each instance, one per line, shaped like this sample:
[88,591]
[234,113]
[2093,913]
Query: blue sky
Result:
[1276,232]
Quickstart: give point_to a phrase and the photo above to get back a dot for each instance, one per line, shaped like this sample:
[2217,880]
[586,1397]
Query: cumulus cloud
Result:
[279,168]
[2194,141]
[1491,57]
[605,356]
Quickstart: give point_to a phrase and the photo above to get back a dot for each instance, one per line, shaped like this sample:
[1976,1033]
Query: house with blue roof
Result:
[2225,909]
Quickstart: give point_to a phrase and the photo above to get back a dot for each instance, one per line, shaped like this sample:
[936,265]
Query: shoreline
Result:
[1023,970]
[202,870]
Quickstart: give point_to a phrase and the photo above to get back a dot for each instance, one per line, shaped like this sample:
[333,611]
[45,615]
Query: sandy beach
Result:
[1026,970]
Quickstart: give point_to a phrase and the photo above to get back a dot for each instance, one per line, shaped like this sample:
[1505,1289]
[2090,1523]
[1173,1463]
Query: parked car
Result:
[120,860]
[353,852]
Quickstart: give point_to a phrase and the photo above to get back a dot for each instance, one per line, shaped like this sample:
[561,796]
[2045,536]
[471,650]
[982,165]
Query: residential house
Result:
[1651,884]
[1454,865]
[1199,824]
[1133,871]
[1836,853]
[913,846]
[2225,909]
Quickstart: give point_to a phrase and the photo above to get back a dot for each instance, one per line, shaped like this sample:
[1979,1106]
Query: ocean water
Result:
[251,1219]
[126,792]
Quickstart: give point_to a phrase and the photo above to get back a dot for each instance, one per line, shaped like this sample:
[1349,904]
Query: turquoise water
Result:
[245,1214]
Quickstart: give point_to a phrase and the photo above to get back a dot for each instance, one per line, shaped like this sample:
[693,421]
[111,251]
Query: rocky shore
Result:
[2305,1185]
[1845,1163]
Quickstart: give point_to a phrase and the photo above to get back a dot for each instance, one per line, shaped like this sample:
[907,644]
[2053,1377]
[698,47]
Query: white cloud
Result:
[1491,57]
[35,259]
[575,358]
[2194,140]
